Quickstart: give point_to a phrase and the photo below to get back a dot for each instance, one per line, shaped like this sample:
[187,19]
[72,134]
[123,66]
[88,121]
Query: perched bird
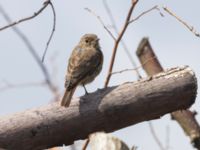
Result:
[85,63]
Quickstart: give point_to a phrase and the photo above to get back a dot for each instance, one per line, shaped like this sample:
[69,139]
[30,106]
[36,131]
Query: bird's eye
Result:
[86,41]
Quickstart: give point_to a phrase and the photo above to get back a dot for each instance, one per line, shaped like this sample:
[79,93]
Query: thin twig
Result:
[134,2]
[144,13]
[86,144]
[31,50]
[102,23]
[35,14]
[110,15]
[52,32]
[155,136]
[191,28]
[133,69]
[125,70]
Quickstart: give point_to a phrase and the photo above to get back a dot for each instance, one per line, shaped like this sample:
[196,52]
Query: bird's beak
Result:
[97,39]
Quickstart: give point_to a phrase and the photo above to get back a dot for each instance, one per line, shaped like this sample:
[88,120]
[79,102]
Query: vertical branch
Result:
[134,2]
[185,118]
[122,42]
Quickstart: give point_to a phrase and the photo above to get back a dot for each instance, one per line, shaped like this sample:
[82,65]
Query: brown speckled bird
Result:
[85,63]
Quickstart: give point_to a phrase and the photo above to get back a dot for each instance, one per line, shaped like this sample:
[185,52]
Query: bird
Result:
[84,64]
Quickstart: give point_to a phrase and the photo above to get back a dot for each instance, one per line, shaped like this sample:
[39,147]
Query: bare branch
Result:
[31,49]
[134,2]
[134,69]
[11,24]
[146,12]
[52,32]
[110,15]
[35,14]
[102,23]
[191,28]
[47,126]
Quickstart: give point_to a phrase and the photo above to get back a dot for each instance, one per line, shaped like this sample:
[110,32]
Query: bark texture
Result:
[185,118]
[106,110]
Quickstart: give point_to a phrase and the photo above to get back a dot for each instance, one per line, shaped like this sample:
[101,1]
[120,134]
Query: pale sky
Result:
[174,45]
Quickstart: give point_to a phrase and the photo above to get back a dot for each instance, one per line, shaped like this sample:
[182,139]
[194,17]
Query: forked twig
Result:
[134,2]
[146,12]
[113,24]
[35,14]
[31,49]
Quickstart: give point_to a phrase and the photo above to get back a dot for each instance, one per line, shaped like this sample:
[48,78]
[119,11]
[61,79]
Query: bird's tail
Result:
[67,97]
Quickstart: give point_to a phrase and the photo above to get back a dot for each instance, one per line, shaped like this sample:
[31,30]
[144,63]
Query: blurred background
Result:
[21,79]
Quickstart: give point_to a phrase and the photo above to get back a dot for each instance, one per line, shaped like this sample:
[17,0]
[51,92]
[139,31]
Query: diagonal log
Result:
[185,118]
[106,110]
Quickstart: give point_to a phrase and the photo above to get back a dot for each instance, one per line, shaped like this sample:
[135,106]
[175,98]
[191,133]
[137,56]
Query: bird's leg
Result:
[86,92]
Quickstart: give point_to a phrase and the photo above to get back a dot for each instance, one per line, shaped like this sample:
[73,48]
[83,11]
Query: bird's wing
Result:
[82,63]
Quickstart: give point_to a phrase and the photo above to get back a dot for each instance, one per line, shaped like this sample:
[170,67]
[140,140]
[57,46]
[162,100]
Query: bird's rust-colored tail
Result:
[67,97]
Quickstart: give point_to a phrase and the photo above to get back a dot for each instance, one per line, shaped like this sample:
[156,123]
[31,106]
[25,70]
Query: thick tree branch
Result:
[106,110]
[185,118]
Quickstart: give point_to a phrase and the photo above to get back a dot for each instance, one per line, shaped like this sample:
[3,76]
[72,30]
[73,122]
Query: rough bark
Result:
[106,110]
[185,118]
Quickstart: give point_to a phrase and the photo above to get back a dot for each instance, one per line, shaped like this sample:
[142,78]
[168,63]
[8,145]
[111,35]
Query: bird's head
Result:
[90,40]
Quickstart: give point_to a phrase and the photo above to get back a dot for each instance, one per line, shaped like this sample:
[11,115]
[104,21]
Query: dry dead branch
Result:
[106,110]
